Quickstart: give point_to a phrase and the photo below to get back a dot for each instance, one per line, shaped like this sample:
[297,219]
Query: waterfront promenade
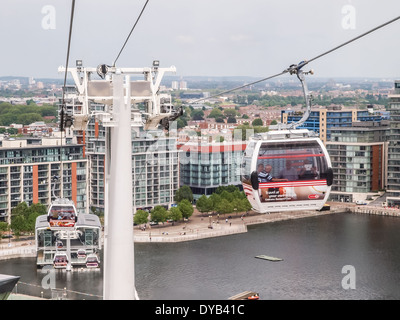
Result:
[198,227]
[17,249]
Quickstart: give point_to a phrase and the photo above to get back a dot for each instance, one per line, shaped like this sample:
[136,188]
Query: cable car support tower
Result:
[120,95]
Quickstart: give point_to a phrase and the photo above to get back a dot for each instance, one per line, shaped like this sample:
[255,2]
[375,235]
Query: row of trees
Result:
[24,114]
[23,218]
[224,200]
[183,210]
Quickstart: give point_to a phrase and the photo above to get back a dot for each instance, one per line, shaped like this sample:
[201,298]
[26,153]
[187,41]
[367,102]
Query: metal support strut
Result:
[296,69]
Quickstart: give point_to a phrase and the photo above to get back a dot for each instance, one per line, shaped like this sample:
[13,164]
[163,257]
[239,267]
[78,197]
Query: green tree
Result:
[241,205]
[216,113]
[204,204]
[225,206]
[197,115]
[30,222]
[37,208]
[23,218]
[48,110]
[186,208]
[174,214]
[181,123]
[158,214]
[182,193]
[28,118]
[3,228]
[230,188]
[20,210]
[18,224]
[12,131]
[215,199]
[257,122]
[140,217]
[227,195]
[230,113]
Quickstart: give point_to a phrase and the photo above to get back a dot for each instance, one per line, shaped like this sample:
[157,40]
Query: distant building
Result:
[204,166]
[183,85]
[359,160]
[175,85]
[393,181]
[323,119]
[155,167]
[27,168]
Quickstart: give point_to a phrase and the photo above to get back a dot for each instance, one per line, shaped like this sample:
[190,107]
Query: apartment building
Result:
[27,167]
[393,183]
[359,160]
[204,165]
[155,167]
[323,119]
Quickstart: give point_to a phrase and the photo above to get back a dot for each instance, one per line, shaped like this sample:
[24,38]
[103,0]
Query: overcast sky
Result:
[202,37]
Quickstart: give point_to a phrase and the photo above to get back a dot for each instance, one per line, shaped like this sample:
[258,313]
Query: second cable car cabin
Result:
[60,260]
[286,170]
[62,214]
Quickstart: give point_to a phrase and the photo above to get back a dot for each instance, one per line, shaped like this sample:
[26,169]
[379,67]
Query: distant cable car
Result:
[62,214]
[60,260]
[81,253]
[92,261]
[288,168]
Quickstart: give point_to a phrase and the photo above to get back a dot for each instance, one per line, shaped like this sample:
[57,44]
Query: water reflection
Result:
[313,250]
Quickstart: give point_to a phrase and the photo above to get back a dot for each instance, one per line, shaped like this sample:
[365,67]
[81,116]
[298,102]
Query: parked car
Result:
[361,202]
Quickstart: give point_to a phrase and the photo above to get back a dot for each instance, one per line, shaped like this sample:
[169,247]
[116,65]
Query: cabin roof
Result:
[84,220]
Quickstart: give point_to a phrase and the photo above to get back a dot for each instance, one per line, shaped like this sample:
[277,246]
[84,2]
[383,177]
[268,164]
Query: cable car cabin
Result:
[62,214]
[60,260]
[286,170]
[92,261]
[81,253]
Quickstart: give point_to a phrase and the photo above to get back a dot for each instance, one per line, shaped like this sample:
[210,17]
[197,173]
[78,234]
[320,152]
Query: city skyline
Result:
[207,38]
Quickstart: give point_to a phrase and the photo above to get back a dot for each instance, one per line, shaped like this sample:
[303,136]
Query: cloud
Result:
[185,39]
[240,37]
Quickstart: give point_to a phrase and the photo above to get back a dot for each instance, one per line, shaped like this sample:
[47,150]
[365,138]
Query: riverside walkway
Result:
[198,227]
[17,249]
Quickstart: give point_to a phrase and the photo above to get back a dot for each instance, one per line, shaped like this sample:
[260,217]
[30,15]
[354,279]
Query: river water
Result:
[314,251]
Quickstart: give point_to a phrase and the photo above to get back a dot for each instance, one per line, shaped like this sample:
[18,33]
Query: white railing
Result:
[190,235]
[17,252]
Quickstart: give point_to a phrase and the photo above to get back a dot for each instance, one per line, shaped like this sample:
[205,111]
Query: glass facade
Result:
[358,160]
[393,181]
[26,173]
[332,118]
[155,166]
[204,167]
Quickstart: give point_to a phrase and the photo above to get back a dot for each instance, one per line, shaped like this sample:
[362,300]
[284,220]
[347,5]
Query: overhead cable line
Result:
[66,65]
[133,28]
[62,112]
[354,39]
[243,86]
[293,68]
